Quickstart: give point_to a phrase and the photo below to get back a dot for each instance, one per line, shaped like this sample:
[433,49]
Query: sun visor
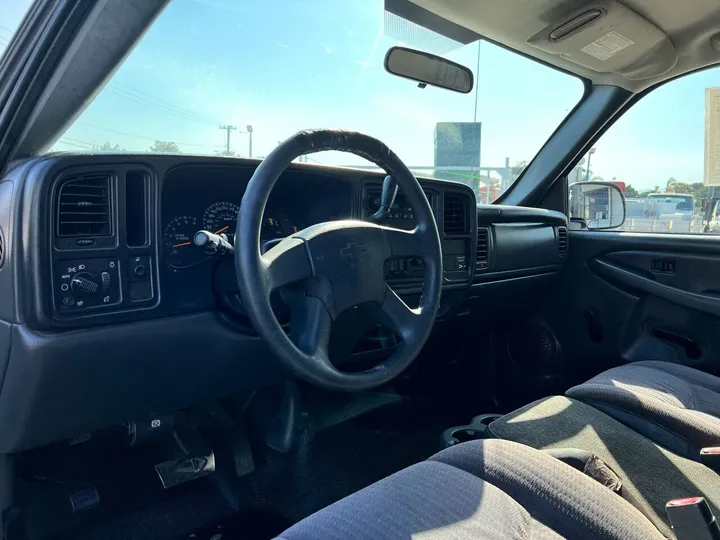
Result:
[608,37]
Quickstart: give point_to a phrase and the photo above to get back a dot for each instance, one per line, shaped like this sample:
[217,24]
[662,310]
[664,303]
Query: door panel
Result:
[630,297]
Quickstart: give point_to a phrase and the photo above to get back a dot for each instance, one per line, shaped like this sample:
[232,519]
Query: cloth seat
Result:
[674,405]
[481,490]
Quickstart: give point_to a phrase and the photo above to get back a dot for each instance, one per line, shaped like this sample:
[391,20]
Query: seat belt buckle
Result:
[692,519]
[710,457]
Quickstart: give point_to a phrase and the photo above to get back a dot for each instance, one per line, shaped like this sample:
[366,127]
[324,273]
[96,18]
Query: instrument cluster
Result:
[219,218]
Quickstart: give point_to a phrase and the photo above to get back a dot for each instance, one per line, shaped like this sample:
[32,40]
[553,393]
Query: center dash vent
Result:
[483,247]
[83,206]
[454,215]
[562,240]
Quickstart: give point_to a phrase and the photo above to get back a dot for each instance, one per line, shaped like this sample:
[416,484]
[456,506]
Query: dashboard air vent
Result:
[483,247]
[83,207]
[562,240]
[454,215]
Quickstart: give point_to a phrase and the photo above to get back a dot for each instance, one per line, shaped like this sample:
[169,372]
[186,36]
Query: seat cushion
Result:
[651,475]
[676,406]
[480,490]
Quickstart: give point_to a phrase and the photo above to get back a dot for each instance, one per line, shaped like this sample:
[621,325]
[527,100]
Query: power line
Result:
[79,141]
[130,89]
[162,104]
[163,108]
[137,136]
[79,144]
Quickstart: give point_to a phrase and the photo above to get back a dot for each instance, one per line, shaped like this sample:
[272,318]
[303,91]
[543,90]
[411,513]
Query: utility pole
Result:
[587,171]
[228,129]
[250,132]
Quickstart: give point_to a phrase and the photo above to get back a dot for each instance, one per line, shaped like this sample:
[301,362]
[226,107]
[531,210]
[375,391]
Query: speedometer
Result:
[221,217]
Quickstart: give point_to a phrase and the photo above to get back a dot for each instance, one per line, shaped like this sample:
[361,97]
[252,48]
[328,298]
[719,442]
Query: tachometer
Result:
[221,217]
[180,250]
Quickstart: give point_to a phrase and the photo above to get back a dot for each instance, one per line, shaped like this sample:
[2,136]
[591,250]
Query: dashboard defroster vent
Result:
[483,248]
[454,215]
[83,206]
[562,240]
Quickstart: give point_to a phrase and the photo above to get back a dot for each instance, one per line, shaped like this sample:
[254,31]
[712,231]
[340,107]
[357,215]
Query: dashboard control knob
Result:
[68,301]
[106,281]
[84,284]
[139,271]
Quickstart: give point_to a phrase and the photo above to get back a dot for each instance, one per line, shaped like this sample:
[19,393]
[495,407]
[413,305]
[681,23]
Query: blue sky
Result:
[286,65]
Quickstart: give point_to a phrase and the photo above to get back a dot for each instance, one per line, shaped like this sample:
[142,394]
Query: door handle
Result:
[692,349]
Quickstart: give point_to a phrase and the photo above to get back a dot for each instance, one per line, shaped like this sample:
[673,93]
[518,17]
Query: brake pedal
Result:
[197,460]
[178,471]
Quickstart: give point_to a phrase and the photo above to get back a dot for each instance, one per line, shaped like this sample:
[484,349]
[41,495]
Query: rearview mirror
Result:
[427,68]
[598,205]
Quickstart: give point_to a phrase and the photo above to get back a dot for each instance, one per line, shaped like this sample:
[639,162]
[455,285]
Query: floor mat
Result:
[246,525]
[337,462]
[323,466]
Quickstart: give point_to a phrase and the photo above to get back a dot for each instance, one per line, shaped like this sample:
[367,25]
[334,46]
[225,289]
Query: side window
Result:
[664,154]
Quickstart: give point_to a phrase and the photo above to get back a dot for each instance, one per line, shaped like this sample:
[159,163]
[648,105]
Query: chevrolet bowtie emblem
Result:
[353,249]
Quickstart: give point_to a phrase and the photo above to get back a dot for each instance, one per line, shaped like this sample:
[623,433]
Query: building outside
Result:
[712,137]
[457,152]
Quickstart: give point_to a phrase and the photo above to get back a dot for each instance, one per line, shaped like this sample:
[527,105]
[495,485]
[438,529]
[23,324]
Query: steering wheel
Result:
[336,265]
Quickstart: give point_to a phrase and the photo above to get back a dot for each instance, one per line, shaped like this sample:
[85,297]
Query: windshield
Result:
[11,15]
[236,77]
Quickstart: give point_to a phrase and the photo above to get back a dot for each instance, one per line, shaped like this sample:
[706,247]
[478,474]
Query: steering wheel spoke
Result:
[310,328]
[286,263]
[397,315]
[406,243]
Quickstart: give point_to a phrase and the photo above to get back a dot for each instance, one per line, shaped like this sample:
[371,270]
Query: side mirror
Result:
[427,68]
[600,205]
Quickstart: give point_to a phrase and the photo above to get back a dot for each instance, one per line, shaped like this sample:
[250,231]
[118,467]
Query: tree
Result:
[631,191]
[165,146]
[109,147]
[670,184]
[700,192]
[682,187]
[518,168]
[647,192]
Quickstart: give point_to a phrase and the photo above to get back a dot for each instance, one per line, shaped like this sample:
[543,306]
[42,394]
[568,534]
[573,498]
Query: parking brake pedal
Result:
[197,459]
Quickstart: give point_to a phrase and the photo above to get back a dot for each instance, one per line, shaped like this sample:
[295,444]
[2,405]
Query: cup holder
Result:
[476,430]
[465,434]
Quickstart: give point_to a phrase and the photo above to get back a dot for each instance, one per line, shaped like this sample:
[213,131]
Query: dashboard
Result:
[110,312]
